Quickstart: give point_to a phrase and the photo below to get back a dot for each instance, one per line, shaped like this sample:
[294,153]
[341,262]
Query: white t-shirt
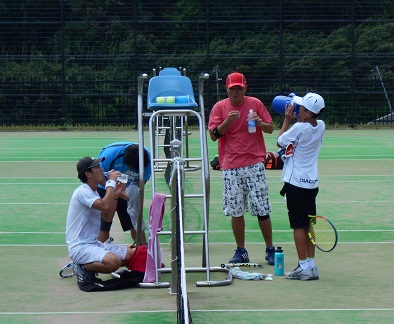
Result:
[83,222]
[301,169]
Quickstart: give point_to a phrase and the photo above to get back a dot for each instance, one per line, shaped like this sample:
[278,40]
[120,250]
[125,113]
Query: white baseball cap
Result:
[311,101]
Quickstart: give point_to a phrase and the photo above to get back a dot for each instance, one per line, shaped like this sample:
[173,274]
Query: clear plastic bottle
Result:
[124,178]
[251,122]
[279,262]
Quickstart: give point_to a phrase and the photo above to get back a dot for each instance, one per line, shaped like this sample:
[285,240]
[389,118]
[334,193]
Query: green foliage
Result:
[306,46]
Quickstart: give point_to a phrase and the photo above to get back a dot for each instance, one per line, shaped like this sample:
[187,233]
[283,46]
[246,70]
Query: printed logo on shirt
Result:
[308,181]
[132,175]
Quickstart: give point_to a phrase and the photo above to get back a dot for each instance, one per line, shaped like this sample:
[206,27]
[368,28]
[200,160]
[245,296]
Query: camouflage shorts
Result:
[241,183]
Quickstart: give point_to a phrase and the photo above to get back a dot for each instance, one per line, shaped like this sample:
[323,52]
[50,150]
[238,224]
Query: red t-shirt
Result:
[237,147]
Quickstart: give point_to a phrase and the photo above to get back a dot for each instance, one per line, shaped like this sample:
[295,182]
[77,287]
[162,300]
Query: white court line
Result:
[210,243]
[291,231]
[336,202]
[218,176]
[45,183]
[217,202]
[209,311]
[77,183]
[43,159]
[294,310]
[66,147]
[32,203]
[41,233]
[215,231]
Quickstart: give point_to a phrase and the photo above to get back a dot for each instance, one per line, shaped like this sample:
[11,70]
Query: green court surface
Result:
[355,286]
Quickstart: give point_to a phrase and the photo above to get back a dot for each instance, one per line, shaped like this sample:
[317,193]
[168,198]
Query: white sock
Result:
[311,262]
[303,264]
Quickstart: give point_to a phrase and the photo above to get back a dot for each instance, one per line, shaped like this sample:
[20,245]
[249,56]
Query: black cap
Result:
[87,163]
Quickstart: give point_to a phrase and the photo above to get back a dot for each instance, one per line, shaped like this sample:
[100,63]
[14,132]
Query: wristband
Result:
[110,183]
[216,133]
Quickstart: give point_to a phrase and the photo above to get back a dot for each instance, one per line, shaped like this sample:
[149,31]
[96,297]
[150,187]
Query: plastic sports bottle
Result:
[122,178]
[280,103]
[279,262]
[251,122]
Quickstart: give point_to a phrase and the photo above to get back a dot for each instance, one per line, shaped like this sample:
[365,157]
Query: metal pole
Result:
[141,181]
[135,32]
[63,65]
[384,89]
[176,208]
[217,79]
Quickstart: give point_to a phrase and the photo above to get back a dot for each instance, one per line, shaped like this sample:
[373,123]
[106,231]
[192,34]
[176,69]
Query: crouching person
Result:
[83,224]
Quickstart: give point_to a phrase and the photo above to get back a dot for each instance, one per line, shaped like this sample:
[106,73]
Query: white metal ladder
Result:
[178,117]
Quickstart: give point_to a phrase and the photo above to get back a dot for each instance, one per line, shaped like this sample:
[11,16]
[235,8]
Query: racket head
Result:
[322,233]
[67,271]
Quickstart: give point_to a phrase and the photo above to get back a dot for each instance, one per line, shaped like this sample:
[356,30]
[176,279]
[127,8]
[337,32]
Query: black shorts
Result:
[121,210]
[300,204]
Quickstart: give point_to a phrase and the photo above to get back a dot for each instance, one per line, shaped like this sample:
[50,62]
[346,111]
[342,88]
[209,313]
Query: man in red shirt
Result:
[242,155]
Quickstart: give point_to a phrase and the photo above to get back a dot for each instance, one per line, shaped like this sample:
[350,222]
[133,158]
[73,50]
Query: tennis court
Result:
[356,194]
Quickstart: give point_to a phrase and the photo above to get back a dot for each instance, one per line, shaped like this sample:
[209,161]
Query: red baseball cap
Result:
[236,79]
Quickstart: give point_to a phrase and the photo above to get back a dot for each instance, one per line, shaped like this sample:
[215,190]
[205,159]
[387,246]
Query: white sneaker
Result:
[315,273]
[299,274]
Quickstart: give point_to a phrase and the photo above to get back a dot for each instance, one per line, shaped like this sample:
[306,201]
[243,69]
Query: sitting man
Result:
[84,216]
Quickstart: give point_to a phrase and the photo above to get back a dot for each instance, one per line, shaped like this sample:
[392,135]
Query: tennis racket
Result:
[322,233]
[246,265]
[68,270]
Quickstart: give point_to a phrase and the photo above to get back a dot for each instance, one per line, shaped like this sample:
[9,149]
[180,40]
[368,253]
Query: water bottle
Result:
[280,103]
[279,262]
[122,178]
[251,122]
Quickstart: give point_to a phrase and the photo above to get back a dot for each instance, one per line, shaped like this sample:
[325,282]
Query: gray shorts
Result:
[88,253]
[241,183]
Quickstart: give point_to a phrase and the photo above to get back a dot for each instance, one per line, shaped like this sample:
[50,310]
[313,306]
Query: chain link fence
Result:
[76,62]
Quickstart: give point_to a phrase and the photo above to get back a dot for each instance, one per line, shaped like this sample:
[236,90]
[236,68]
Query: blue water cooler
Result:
[280,102]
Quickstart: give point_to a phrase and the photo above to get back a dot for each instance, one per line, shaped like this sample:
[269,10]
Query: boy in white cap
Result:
[300,175]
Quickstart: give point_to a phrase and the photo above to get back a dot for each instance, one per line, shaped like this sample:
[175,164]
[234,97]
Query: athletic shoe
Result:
[315,273]
[240,256]
[299,274]
[85,277]
[270,255]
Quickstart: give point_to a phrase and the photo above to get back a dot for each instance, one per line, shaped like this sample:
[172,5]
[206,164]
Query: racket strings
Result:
[323,234]
[67,271]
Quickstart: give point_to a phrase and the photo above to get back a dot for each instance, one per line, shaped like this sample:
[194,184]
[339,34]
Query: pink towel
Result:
[156,214]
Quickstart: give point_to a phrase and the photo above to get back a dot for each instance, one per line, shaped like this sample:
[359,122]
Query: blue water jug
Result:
[280,102]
